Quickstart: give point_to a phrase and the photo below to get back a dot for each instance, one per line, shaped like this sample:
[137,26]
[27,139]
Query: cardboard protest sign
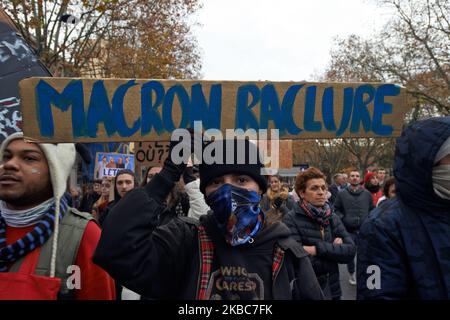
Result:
[151,154]
[108,164]
[92,110]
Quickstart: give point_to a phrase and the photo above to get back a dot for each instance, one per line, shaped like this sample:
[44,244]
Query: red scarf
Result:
[320,215]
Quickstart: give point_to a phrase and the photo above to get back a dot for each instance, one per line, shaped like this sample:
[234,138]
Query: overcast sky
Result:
[277,40]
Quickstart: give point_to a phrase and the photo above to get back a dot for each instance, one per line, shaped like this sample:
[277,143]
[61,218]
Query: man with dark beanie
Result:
[233,252]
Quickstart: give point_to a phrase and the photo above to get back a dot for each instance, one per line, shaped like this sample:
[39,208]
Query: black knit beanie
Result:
[214,170]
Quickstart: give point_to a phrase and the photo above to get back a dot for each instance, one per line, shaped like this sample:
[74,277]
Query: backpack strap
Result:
[71,232]
[72,228]
[206,249]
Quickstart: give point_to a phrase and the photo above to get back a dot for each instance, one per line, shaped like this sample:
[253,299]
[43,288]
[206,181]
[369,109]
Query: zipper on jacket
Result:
[322,232]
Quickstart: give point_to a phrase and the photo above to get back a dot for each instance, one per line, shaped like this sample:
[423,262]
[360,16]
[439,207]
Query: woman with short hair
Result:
[321,232]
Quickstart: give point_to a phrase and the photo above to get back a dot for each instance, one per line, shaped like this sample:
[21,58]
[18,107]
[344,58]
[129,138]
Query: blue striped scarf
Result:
[35,238]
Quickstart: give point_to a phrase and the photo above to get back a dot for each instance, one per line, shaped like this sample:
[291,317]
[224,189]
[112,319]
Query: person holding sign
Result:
[233,252]
[403,246]
[46,247]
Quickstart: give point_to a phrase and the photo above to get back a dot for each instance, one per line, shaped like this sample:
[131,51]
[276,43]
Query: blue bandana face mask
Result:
[237,213]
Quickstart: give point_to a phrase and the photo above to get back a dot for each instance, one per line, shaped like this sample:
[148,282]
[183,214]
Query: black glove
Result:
[188,175]
[278,202]
[174,166]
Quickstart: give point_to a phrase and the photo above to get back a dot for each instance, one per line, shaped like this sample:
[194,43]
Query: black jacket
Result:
[180,209]
[308,232]
[117,196]
[334,190]
[88,201]
[353,207]
[164,262]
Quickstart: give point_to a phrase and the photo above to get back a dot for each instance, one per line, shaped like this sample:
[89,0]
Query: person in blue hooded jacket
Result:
[404,245]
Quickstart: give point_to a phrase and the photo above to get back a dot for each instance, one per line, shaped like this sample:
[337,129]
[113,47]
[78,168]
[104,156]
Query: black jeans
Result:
[335,285]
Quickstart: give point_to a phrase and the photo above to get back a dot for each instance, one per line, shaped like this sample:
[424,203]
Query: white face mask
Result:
[443,151]
[441,181]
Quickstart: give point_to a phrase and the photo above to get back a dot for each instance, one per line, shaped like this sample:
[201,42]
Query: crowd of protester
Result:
[224,231]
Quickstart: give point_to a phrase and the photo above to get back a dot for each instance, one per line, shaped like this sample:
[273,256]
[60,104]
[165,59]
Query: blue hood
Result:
[415,152]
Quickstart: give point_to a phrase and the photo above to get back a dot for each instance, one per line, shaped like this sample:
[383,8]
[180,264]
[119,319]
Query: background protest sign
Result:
[151,154]
[92,110]
[108,164]
[17,61]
